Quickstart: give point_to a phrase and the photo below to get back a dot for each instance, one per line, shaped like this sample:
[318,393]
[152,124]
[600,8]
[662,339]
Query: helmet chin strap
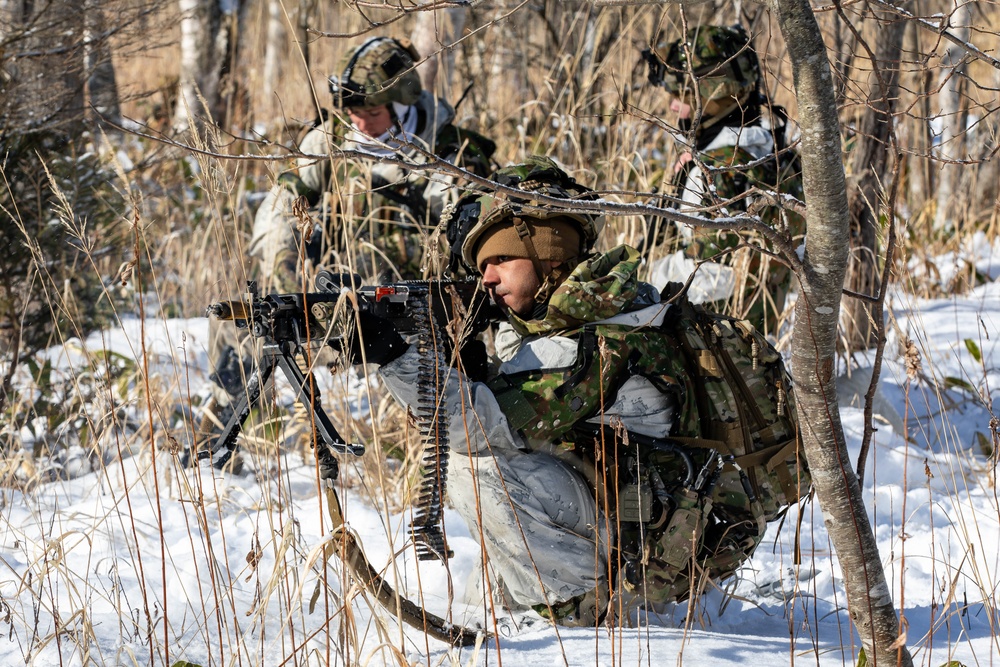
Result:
[524,234]
[554,279]
[549,277]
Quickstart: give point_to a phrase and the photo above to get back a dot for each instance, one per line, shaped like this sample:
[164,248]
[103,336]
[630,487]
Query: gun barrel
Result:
[230,310]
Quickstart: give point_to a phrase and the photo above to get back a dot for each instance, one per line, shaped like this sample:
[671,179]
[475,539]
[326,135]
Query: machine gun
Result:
[441,315]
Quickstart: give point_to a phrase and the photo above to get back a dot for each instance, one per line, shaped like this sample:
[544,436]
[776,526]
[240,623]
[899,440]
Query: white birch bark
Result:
[817,311]
[274,48]
[434,35]
[209,38]
[951,144]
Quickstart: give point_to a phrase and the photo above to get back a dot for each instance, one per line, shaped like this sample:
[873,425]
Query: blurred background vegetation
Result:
[103,212]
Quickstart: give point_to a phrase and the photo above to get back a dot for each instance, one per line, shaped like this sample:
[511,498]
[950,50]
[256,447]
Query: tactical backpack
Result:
[693,505]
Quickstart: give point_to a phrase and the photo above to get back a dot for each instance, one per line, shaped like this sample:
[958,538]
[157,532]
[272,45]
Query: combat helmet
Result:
[482,209]
[722,61]
[379,71]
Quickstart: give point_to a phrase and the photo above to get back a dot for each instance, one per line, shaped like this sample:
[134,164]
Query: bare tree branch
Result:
[968,47]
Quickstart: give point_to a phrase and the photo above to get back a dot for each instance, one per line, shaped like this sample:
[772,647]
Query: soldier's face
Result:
[680,107]
[512,283]
[374,121]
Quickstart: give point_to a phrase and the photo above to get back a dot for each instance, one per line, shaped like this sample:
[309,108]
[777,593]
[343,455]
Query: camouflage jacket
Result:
[575,367]
[609,352]
[373,217]
[433,132]
[745,283]
[726,179]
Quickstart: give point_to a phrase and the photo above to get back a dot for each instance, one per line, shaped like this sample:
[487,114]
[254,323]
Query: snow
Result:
[142,562]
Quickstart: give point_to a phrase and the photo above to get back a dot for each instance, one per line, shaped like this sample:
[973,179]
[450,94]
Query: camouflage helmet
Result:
[722,60]
[482,209]
[380,71]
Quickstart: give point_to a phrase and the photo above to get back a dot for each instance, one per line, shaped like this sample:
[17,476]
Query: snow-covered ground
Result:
[142,562]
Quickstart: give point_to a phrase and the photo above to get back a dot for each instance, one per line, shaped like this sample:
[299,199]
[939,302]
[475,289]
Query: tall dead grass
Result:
[538,86]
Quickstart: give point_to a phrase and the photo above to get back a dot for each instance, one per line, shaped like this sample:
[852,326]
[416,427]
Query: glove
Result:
[475,360]
[374,341]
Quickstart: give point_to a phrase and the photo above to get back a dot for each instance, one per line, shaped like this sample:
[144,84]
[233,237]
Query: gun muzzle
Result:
[230,310]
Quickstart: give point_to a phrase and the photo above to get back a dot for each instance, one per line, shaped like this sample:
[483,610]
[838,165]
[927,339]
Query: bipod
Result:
[281,355]
[327,441]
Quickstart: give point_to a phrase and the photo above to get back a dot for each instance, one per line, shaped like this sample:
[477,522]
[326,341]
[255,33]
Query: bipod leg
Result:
[225,445]
[309,394]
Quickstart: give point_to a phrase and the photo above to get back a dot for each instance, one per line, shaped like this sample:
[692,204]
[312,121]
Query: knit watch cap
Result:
[555,239]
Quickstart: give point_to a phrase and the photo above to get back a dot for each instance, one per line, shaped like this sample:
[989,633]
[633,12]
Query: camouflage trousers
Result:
[546,540]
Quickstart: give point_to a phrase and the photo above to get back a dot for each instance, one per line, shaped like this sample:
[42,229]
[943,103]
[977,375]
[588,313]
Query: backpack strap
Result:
[512,401]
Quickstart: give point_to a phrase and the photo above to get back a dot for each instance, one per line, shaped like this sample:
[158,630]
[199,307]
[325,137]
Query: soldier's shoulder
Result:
[475,149]
[327,130]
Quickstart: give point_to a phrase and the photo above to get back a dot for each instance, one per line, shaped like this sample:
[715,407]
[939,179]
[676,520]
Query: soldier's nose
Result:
[490,275]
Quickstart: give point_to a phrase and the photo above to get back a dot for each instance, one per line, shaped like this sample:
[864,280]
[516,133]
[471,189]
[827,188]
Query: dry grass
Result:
[533,93]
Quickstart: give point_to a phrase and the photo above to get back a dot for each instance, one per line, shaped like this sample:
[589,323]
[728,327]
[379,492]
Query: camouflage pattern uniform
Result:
[359,216]
[546,536]
[602,386]
[384,216]
[727,72]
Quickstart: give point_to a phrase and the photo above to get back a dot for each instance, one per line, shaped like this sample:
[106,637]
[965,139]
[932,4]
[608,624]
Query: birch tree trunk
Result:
[817,312]
[209,45]
[434,35]
[869,163]
[274,48]
[952,140]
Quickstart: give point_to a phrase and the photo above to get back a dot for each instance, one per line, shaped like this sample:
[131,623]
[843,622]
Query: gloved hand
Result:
[475,360]
[374,341]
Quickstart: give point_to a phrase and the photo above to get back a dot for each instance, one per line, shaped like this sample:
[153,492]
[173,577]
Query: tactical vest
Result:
[701,494]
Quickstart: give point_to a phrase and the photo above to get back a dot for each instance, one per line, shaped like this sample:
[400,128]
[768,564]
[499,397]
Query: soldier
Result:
[584,460]
[375,219]
[727,147]
[365,216]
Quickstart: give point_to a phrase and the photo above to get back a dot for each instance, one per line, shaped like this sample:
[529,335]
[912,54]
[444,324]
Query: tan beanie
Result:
[555,239]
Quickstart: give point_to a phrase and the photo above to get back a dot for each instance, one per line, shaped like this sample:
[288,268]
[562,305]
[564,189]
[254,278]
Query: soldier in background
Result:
[729,143]
[371,218]
[360,216]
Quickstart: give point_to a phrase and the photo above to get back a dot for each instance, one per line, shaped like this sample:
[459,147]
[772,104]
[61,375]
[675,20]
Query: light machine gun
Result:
[435,313]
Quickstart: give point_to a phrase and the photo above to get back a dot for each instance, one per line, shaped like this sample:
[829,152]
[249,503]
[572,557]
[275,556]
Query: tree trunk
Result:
[101,85]
[274,50]
[952,140]
[921,182]
[304,18]
[43,67]
[869,163]
[814,339]
[434,36]
[208,87]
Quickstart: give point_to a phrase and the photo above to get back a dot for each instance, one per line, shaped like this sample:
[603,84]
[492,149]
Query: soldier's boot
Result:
[583,611]
[214,417]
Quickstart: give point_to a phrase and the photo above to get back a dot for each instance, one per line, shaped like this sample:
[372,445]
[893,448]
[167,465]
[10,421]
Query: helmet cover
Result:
[478,211]
[379,71]
[720,58]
